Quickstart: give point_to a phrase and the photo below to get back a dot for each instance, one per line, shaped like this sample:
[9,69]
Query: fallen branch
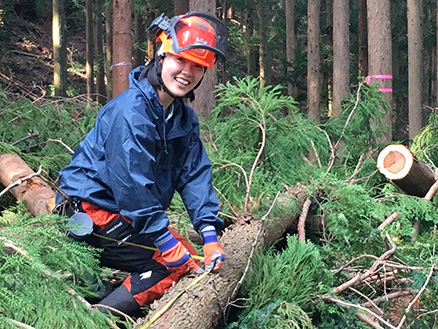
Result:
[408,309]
[254,165]
[302,220]
[361,277]
[348,305]
[390,296]
[68,148]
[388,221]
[19,324]
[369,321]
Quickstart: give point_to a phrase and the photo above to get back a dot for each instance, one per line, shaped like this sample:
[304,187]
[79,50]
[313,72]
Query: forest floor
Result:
[26,64]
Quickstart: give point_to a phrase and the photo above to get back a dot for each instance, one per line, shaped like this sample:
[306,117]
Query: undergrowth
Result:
[40,268]
[259,144]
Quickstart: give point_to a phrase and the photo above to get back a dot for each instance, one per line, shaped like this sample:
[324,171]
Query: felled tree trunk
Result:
[203,305]
[398,164]
[34,191]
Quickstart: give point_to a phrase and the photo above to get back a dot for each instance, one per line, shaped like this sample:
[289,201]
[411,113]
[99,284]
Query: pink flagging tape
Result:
[385,90]
[377,76]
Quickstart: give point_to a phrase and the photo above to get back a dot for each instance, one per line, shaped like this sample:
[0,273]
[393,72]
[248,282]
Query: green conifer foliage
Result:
[34,288]
[37,132]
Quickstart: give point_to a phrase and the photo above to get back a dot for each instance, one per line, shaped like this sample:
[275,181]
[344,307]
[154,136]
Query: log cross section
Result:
[397,163]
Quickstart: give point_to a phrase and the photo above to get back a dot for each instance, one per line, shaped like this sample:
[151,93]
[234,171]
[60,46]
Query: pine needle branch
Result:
[48,273]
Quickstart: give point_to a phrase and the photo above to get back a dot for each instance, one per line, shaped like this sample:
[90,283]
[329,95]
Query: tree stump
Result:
[38,196]
[397,163]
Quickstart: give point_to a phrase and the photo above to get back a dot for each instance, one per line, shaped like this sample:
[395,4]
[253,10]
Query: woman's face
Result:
[180,75]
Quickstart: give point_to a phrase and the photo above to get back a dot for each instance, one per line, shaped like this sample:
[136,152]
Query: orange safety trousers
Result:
[148,278]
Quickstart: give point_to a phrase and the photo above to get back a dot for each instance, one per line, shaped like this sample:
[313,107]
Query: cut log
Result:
[397,163]
[203,305]
[38,196]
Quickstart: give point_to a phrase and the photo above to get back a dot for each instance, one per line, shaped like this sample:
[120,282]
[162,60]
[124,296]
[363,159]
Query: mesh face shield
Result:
[196,36]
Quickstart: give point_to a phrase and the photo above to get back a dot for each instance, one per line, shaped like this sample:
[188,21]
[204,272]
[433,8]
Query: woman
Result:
[143,147]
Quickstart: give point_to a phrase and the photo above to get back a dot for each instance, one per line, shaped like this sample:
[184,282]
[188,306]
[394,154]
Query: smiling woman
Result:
[180,76]
[144,146]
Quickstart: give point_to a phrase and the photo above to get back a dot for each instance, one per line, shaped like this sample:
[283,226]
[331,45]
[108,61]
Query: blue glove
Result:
[213,253]
[175,255]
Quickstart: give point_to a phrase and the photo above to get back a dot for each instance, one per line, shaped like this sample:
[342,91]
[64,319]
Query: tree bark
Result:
[98,53]
[59,48]
[205,99]
[89,48]
[138,54]
[362,38]
[397,163]
[150,16]
[35,192]
[290,43]
[108,49]
[263,14]
[202,306]
[341,51]
[380,52]
[180,7]
[415,64]
[313,61]
[122,43]
[251,52]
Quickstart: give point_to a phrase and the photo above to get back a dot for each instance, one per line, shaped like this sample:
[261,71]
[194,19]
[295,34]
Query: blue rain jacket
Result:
[133,161]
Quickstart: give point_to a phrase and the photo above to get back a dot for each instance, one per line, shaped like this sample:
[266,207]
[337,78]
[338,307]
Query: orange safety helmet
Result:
[196,36]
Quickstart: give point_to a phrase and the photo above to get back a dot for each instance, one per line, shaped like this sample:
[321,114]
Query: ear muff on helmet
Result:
[196,36]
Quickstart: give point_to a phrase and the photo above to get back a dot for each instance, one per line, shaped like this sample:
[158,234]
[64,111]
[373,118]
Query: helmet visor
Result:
[181,41]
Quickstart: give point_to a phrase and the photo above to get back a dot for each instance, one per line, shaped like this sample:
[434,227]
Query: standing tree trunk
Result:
[150,16]
[122,44]
[1,14]
[313,61]
[380,52]
[341,51]
[250,50]
[205,100]
[89,48]
[289,6]
[180,7]
[108,49]
[59,48]
[138,54]
[263,14]
[415,47]
[362,38]
[98,54]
